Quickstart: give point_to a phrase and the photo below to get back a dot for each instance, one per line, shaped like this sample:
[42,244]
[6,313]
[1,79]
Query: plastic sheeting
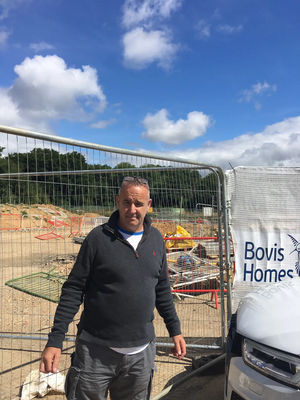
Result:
[264,221]
[271,316]
[38,384]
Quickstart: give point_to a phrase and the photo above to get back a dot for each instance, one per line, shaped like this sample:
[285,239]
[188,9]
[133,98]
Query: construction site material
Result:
[41,284]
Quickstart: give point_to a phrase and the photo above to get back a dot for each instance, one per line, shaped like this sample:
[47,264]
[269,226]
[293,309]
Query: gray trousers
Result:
[96,370]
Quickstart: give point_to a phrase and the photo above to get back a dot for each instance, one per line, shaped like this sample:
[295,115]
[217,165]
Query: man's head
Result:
[133,202]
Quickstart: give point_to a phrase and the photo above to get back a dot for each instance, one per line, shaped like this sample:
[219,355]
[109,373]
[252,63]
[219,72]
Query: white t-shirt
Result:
[133,238]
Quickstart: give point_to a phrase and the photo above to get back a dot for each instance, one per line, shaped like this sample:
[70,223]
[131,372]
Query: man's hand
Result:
[50,359]
[179,349]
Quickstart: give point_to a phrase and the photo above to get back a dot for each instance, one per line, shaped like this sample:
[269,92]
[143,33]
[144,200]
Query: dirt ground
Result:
[23,252]
[206,385]
[47,216]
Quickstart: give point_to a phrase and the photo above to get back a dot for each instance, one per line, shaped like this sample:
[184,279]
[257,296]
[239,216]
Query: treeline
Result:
[177,188]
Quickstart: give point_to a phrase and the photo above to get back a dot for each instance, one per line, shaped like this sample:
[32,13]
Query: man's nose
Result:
[132,208]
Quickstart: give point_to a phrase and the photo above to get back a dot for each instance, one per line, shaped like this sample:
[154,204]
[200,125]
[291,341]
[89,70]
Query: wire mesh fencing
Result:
[53,192]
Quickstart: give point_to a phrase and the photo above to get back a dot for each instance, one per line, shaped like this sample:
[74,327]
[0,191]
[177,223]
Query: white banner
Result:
[264,221]
[265,256]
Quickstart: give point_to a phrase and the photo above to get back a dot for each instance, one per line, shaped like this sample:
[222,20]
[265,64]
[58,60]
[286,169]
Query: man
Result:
[121,274]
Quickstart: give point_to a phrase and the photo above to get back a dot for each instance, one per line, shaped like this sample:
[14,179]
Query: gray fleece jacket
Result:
[120,288]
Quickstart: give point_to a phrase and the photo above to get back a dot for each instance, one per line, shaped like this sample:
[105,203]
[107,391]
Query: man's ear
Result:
[149,204]
[117,201]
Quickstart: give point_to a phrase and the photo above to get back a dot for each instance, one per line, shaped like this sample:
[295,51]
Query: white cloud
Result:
[161,129]
[7,5]
[257,105]
[145,43]
[276,145]
[46,90]
[227,29]
[40,46]
[103,124]
[203,28]
[257,90]
[216,14]
[117,108]
[4,35]
[11,115]
[141,48]
[136,12]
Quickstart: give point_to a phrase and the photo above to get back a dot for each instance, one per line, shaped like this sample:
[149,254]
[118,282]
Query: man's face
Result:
[133,204]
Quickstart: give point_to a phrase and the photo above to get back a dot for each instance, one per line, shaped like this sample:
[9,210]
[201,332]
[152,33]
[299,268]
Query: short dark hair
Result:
[135,181]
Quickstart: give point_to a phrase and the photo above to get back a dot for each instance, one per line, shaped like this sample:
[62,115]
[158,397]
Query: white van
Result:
[263,346]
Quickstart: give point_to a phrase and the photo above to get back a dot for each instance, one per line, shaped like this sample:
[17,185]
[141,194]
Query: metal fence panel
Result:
[53,191]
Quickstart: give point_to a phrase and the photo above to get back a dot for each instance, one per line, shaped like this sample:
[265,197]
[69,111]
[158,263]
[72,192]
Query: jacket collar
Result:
[113,223]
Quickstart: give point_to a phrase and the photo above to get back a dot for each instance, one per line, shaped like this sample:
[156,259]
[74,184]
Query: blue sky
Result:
[213,81]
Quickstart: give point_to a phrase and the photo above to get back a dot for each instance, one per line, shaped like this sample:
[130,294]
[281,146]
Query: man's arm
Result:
[50,359]
[70,300]
[179,349]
